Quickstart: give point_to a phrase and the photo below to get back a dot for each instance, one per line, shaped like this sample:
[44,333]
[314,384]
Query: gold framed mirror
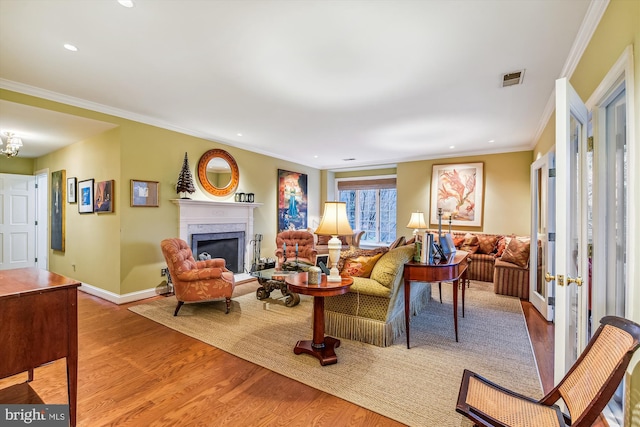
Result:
[218,172]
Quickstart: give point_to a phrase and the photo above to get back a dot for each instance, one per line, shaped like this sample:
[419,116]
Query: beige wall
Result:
[16,165]
[618,28]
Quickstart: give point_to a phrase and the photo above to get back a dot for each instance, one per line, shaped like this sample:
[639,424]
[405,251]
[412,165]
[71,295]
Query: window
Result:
[371,207]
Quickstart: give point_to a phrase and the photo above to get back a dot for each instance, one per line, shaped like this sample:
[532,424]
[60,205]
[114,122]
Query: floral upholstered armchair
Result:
[291,241]
[193,280]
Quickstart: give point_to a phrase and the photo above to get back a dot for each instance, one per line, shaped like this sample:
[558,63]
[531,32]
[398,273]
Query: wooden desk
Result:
[39,324]
[321,347]
[448,270]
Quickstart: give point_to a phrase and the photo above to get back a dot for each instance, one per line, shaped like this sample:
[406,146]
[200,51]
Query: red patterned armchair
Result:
[306,247]
[196,280]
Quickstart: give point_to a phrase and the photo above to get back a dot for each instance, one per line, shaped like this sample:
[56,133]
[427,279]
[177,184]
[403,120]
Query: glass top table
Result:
[272,279]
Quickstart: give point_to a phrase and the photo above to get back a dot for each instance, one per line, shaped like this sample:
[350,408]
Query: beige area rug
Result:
[417,386]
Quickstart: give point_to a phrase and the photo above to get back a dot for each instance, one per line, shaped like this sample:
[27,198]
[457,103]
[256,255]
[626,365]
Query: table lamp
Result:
[417,222]
[334,223]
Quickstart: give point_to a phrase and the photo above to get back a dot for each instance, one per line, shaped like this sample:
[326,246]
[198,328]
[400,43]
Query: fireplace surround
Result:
[210,217]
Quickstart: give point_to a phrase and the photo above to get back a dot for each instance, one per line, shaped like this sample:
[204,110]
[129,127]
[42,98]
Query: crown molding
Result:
[585,32]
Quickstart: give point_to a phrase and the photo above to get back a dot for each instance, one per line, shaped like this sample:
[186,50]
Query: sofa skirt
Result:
[378,332]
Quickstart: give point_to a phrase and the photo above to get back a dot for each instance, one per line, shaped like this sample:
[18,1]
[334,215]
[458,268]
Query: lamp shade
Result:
[334,220]
[417,221]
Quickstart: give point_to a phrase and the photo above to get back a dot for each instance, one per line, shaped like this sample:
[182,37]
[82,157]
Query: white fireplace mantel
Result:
[211,216]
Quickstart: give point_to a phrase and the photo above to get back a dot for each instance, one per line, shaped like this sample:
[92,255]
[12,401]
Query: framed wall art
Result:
[58,190]
[292,200]
[103,196]
[457,190]
[85,193]
[72,183]
[144,193]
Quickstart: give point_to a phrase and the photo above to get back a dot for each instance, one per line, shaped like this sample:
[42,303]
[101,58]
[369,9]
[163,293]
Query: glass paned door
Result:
[571,316]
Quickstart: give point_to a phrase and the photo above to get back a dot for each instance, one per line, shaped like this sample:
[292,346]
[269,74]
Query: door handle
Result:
[548,277]
[577,280]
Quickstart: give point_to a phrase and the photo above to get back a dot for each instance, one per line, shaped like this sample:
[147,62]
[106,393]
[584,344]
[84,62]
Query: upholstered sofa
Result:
[373,309]
[509,275]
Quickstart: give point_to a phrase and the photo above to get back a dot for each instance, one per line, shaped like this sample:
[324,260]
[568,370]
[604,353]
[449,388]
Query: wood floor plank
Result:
[134,372]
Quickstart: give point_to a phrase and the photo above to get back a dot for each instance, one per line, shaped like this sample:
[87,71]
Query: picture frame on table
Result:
[72,184]
[85,193]
[144,193]
[322,258]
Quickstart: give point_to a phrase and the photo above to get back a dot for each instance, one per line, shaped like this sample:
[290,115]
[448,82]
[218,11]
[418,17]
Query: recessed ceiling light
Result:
[70,47]
[492,140]
[239,134]
[126,3]
[315,157]
[451,147]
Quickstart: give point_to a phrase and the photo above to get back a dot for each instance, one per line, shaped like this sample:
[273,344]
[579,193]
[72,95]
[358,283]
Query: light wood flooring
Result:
[135,372]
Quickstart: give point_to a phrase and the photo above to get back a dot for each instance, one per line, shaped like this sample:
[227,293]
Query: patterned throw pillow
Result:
[517,252]
[487,244]
[360,266]
[354,253]
[470,243]
[458,241]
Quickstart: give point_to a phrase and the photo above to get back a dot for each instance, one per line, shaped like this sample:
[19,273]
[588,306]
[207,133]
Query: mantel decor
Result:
[218,173]
[457,190]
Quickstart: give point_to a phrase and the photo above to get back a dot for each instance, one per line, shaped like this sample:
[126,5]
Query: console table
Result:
[39,325]
[451,269]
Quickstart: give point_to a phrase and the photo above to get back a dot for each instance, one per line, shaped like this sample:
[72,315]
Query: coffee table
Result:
[272,279]
[322,347]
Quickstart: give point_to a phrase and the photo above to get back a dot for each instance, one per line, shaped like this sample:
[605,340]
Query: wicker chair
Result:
[586,389]
[196,280]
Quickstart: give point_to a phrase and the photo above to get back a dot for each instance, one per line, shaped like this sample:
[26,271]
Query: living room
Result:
[118,256]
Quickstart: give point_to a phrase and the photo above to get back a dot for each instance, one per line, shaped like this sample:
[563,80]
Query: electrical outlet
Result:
[164,272]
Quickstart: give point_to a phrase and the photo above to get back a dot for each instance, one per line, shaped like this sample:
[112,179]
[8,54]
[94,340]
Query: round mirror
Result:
[218,172]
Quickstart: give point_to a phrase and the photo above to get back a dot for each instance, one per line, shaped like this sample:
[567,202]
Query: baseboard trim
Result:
[117,298]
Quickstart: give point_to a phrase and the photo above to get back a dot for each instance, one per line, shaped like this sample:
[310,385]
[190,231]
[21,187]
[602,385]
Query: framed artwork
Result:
[58,190]
[292,200]
[103,196]
[85,191]
[144,193]
[71,190]
[457,190]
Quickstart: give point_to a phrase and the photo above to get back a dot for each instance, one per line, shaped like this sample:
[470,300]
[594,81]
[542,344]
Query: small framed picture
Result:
[144,193]
[103,196]
[71,190]
[85,191]
[322,259]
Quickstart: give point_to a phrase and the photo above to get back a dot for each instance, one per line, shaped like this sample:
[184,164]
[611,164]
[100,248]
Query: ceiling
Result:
[314,82]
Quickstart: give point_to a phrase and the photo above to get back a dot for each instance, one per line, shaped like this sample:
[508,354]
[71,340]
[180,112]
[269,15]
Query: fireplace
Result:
[229,246]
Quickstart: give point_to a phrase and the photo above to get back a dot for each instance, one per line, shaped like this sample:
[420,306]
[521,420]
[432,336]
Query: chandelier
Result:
[13,145]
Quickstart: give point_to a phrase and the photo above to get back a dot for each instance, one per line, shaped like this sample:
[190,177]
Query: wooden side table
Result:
[322,347]
[39,325]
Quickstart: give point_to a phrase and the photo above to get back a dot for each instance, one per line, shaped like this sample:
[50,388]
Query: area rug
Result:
[417,386]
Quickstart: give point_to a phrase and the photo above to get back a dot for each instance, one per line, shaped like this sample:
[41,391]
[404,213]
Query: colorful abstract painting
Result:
[457,190]
[292,200]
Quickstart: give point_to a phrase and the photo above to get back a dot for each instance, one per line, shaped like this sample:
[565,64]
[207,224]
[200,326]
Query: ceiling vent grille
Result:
[513,78]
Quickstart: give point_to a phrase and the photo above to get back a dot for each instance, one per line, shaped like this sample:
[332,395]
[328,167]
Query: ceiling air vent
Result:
[513,78]
[350,159]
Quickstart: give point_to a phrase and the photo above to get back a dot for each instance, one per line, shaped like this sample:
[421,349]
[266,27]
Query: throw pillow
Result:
[458,241]
[398,242]
[353,253]
[487,244]
[470,243]
[517,252]
[360,266]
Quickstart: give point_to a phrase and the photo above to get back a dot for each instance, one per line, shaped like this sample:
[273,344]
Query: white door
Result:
[17,221]
[541,291]
[571,264]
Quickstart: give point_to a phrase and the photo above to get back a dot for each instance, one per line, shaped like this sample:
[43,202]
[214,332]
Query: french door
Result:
[541,291]
[571,262]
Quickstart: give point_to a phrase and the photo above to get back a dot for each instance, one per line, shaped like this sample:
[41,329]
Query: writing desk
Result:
[39,312]
[450,269]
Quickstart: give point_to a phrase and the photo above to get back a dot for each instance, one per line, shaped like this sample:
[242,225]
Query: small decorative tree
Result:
[185,179]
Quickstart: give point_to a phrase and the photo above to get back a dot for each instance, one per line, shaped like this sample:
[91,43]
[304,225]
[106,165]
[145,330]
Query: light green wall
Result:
[618,28]
[16,165]
[507,204]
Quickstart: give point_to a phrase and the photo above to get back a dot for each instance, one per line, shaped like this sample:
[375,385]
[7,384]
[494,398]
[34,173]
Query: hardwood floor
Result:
[135,372]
